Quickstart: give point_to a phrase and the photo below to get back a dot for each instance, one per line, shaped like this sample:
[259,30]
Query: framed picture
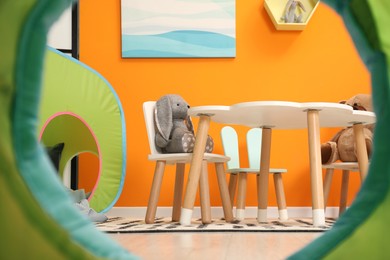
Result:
[178,28]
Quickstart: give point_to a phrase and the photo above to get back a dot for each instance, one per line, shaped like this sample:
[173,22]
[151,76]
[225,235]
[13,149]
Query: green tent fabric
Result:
[38,219]
[361,232]
[81,109]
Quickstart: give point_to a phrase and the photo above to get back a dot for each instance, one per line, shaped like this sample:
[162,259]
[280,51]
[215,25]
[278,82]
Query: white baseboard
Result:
[217,212]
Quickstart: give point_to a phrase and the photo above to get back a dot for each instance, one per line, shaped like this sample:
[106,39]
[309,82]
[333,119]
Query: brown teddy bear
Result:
[342,146]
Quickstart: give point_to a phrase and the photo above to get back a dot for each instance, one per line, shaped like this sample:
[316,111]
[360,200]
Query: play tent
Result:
[38,219]
[36,210]
[81,109]
[361,232]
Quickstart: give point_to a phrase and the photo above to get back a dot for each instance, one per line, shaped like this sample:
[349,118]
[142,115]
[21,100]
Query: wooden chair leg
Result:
[241,196]
[204,194]
[224,192]
[178,192]
[155,192]
[280,196]
[327,183]
[344,192]
[232,187]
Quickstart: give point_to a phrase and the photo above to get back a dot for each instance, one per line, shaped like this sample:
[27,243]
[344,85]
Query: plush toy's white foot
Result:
[283,215]
[262,215]
[240,214]
[185,216]
[318,217]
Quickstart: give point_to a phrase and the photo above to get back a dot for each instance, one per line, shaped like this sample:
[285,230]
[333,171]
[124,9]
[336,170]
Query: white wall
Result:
[60,34]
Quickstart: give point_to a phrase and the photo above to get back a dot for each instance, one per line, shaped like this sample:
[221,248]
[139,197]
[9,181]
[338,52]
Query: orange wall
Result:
[317,64]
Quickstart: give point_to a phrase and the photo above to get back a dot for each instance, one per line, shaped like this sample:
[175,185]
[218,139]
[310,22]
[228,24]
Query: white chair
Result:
[180,159]
[346,168]
[231,149]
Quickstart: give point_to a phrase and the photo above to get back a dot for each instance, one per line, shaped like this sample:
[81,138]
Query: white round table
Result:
[278,115]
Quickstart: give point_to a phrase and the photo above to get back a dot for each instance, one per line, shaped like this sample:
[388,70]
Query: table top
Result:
[284,114]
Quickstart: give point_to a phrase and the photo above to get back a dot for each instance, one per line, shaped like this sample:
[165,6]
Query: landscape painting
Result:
[178,28]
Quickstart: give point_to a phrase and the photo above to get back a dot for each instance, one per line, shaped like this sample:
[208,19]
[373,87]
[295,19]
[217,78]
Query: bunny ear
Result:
[189,124]
[163,117]
[301,6]
[288,5]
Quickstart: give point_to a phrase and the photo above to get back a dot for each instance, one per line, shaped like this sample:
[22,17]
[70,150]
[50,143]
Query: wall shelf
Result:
[276,9]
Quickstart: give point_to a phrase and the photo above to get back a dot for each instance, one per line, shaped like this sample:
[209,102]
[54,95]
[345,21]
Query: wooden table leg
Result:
[195,168]
[262,178]
[313,126]
[361,150]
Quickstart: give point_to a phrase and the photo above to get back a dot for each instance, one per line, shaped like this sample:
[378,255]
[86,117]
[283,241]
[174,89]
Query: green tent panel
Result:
[361,232]
[38,219]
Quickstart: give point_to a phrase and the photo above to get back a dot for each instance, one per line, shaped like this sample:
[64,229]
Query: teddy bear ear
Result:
[163,117]
[359,107]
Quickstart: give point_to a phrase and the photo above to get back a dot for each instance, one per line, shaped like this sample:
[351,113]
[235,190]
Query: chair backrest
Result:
[253,144]
[148,108]
[230,146]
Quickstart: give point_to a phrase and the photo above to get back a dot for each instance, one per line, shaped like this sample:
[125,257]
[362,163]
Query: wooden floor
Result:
[215,246]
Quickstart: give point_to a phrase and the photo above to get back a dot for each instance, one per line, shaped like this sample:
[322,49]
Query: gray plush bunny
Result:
[290,15]
[174,129]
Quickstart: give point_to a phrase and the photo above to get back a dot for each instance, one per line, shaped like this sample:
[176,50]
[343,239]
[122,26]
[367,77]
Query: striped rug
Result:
[162,224]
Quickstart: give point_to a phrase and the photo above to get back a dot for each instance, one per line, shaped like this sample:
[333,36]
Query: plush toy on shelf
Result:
[290,15]
[342,146]
[174,129]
